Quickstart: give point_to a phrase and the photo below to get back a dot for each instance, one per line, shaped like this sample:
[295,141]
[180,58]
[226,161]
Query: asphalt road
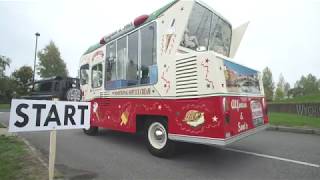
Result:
[114,155]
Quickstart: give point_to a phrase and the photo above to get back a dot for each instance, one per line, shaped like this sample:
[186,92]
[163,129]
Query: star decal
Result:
[214,119]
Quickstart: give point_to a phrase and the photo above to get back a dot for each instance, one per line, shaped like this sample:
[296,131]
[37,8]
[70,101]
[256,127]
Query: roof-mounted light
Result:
[102,41]
[140,20]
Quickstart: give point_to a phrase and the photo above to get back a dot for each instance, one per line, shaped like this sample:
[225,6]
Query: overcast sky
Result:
[283,35]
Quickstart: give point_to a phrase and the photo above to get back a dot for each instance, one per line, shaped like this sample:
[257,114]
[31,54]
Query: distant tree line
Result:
[307,85]
[19,82]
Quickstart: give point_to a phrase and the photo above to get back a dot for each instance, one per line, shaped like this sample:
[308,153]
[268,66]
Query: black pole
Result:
[35,57]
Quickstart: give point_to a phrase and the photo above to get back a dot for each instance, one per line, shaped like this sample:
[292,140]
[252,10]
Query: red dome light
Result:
[102,41]
[140,20]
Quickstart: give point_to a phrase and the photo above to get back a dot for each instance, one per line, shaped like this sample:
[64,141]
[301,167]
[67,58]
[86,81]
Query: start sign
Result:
[41,115]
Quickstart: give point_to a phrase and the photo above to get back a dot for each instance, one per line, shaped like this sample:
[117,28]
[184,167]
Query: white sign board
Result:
[42,115]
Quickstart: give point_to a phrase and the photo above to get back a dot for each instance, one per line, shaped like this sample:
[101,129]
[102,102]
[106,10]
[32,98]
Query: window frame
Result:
[154,60]
[189,50]
[80,76]
[94,65]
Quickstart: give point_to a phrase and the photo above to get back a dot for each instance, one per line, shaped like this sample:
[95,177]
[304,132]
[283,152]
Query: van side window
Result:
[111,62]
[121,57]
[148,55]
[132,63]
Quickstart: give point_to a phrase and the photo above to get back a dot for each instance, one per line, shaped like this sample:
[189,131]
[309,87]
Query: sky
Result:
[282,34]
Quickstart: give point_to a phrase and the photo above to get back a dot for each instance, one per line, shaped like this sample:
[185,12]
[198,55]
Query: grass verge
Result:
[17,162]
[4,106]
[293,120]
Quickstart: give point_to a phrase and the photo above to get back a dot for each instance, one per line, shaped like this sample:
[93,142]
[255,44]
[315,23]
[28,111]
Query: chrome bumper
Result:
[215,141]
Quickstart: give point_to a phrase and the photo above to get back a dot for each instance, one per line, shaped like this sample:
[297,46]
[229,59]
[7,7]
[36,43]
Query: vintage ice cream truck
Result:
[170,75]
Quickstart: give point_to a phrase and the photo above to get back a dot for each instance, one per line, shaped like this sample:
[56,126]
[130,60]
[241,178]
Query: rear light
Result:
[227,117]
[264,105]
[225,106]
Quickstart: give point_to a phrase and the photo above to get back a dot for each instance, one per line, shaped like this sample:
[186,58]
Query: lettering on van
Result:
[236,104]
[242,126]
[143,91]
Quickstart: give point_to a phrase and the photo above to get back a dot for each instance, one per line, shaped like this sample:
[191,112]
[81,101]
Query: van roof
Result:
[151,17]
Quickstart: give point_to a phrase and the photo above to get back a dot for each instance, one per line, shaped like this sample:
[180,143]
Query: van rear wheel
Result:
[92,131]
[157,141]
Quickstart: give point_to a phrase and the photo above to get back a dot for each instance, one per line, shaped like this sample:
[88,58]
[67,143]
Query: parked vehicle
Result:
[171,75]
[65,89]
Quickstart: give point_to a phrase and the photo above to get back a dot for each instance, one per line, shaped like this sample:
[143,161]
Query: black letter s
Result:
[23,115]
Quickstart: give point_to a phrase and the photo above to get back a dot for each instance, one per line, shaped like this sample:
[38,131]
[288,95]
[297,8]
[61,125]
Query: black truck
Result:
[63,88]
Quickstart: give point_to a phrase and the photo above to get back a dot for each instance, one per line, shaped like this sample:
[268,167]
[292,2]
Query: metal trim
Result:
[215,141]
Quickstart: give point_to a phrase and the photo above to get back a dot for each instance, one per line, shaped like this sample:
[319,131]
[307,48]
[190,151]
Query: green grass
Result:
[293,120]
[301,99]
[17,162]
[4,106]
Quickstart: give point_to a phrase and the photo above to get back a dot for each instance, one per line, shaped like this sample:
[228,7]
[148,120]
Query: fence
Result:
[305,109]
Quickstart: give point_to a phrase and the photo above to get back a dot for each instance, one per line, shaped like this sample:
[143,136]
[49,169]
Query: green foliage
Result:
[309,85]
[16,162]
[5,106]
[7,89]
[268,84]
[315,98]
[279,94]
[22,78]
[286,89]
[5,82]
[4,62]
[293,120]
[50,62]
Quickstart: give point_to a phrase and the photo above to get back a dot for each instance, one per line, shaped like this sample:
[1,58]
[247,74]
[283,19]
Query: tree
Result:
[5,83]
[4,62]
[268,84]
[279,94]
[50,62]
[7,89]
[22,77]
[286,89]
[309,84]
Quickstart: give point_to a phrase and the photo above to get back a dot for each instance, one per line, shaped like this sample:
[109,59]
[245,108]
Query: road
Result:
[113,155]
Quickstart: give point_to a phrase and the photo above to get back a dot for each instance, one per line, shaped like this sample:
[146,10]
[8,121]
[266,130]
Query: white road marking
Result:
[274,157]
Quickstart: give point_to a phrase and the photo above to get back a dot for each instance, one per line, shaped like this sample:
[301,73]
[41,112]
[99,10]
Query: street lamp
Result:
[35,57]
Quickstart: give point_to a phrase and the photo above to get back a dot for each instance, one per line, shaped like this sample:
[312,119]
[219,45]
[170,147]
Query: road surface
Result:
[113,155]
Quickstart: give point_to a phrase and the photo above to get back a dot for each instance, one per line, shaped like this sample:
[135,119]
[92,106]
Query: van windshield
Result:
[207,31]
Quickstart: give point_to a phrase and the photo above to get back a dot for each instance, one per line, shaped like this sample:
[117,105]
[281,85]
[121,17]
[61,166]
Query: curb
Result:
[294,130]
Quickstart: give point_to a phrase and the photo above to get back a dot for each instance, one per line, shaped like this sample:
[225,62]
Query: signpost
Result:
[42,115]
